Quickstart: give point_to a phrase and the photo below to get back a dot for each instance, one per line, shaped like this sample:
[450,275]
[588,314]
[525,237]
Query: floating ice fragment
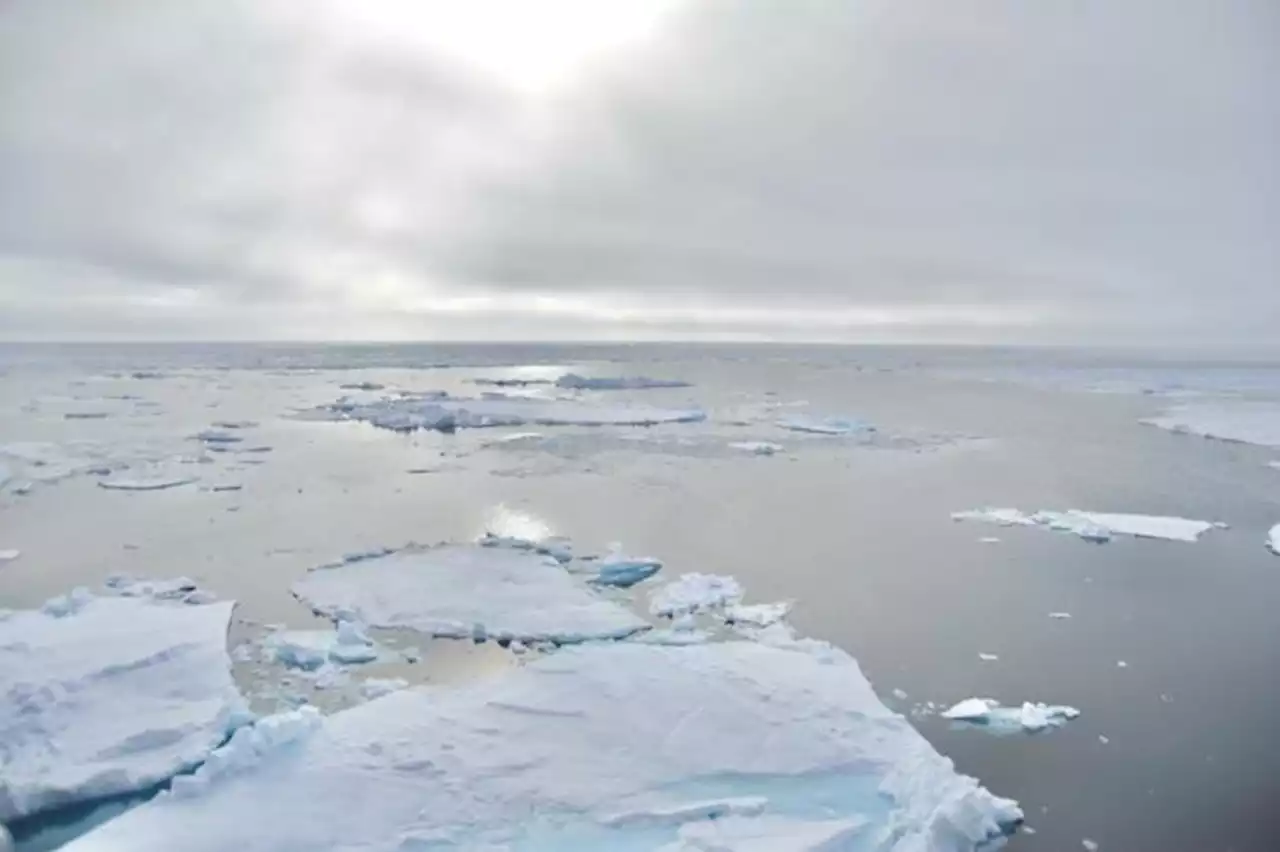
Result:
[110,696]
[759,448]
[572,381]
[1121,664]
[310,650]
[616,569]
[452,590]
[156,483]
[9,555]
[532,758]
[1029,717]
[989,540]
[695,593]
[1059,615]
[1095,526]
[1273,540]
[362,386]
[900,694]
[825,426]
[1090,845]
[86,415]
[988,658]
[69,604]
[235,424]
[217,436]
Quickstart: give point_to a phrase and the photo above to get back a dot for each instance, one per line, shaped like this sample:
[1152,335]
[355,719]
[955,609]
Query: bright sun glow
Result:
[532,45]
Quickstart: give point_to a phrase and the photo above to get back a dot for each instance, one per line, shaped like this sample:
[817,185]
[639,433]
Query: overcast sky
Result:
[1058,171]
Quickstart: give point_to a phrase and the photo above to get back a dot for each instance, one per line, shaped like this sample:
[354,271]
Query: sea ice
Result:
[825,426]
[309,650]
[732,745]
[465,591]
[9,555]
[1029,717]
[1094,526]
[109,696]
[1273,540]
[409,414]
[757,615]
[695,593]
[759,448]
[1240,421]
[362,386]
[151,483]
[1061,615]
[616,569]
[572,381]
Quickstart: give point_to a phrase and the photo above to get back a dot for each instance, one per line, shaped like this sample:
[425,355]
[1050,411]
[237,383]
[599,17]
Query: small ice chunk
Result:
[1029,717]
[900,694]
[310,650]
[1003,517]
[1273,540]
[759,448]
[451,590]
[989,540]
[154,483]
[572,381]
[1059,615]
[695,592]
[9,555]
[1103,739]
[621,571]
[69,604]
[825,426]
[1121,664]
[757,615]
[988,658]
[111,696]
[713,727]
[217,436]
[1090,845]
[376,687]
[362,386]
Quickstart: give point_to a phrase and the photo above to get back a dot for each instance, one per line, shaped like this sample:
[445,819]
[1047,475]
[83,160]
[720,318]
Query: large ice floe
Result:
[446,414]
[1248,422]
[616,746]
[1094,526]
[101,696]
[467,591]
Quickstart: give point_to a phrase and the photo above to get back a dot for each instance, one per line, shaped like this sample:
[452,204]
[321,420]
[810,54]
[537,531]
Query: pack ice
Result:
[1249,422]
[441,413]
[1094,526]
[619,746]
[467,591]
[102,696]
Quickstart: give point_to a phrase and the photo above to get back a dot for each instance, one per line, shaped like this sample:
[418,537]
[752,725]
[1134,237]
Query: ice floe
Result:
[825,425]
[1248,422]
[107,695]
[1273,540]
[737,743]
[695,593]
[409,414]
[573,381]
[145,483]
[618,569]
[757,615]
[759,448]
[1029,717]
[9,555]
[1095,526]
[310,650]
[466,591]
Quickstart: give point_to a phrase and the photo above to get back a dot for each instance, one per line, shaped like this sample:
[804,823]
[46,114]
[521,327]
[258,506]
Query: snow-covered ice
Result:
[757,615]
[376,687]
[695,593]
[1249,422]
[1030,716]
[102,696]
[409,414]
[572,381]
[759,448]
[790,748]
[1095,526]
[149,483]
[825,425]
[466,591]
[1273,540]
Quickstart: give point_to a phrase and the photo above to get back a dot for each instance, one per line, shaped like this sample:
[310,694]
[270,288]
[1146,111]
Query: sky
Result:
[1078,172]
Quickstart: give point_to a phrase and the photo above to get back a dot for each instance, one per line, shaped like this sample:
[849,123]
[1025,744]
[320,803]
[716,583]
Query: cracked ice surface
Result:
[101,696]
[467,591]
[731,745]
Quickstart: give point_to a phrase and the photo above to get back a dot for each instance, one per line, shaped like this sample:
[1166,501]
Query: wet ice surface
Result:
[853,528]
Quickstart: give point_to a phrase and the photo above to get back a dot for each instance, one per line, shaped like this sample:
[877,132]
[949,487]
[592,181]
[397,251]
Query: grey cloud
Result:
[1110,163]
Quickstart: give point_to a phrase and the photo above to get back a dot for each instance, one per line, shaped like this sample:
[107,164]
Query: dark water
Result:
[860,536]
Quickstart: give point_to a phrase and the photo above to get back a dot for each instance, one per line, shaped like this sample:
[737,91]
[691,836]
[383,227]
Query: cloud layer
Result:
[1066,172]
